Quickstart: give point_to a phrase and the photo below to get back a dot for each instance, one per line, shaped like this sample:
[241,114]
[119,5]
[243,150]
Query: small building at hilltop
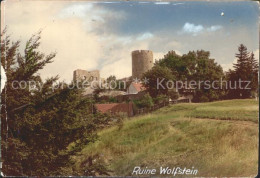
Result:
[135,88]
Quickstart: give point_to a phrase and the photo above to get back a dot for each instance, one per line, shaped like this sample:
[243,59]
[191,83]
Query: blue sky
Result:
[89,35]
[172,16]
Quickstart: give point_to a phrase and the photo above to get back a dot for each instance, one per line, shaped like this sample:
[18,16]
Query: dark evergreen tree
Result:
[242,60]
[41,127]
[253,68]
[244,77]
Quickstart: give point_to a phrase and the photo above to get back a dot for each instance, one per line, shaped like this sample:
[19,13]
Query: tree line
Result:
[239,82]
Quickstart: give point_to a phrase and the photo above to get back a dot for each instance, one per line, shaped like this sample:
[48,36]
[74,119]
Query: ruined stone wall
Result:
[142,61]
[86,75]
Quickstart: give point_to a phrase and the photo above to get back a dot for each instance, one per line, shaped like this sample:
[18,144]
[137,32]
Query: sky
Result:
[101,35]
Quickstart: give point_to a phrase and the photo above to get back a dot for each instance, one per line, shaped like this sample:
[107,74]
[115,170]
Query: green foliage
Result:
[39,125]
[198,66]
[119,121]
[246,69]
[179,66]
[145,102]
[160,99]
[156,74]
[195,66]
[112,99]
[239,110]
[122,85]
[111,80]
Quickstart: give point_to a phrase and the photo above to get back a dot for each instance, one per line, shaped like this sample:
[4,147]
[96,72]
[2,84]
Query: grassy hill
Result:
[218,139]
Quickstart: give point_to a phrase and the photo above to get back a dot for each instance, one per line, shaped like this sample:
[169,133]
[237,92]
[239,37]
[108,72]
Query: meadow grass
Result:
[185,135]
[244,110]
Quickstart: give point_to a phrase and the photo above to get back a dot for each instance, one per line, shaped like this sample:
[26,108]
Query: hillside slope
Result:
[218,139]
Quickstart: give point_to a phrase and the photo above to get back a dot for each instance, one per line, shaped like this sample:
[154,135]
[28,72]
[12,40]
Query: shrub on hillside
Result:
[160,99]
[145,102]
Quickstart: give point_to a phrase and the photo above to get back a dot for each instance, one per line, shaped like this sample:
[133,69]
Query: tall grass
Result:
[177,136]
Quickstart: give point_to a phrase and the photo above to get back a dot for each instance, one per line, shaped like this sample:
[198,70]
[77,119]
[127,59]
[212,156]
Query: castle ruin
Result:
[142,61]
[80,74]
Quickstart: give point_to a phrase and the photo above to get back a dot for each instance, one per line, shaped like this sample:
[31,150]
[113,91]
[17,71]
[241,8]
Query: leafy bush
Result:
[145,102]
[160,99]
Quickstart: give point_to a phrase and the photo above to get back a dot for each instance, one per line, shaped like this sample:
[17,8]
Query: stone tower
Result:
[142,61]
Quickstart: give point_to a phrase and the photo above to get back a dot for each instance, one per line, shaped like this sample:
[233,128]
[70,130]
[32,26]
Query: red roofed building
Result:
[116,108]
[135,88]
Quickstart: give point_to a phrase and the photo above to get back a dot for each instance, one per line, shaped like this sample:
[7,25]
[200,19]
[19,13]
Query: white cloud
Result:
[144,2]
[93,17]
[214,28]
[75,46]
[228,66]
[118,60]
[68,30]
[175,4]
[111,2]
[145,36]
[77,10]
[72,34]
[162,3]
[190,28]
